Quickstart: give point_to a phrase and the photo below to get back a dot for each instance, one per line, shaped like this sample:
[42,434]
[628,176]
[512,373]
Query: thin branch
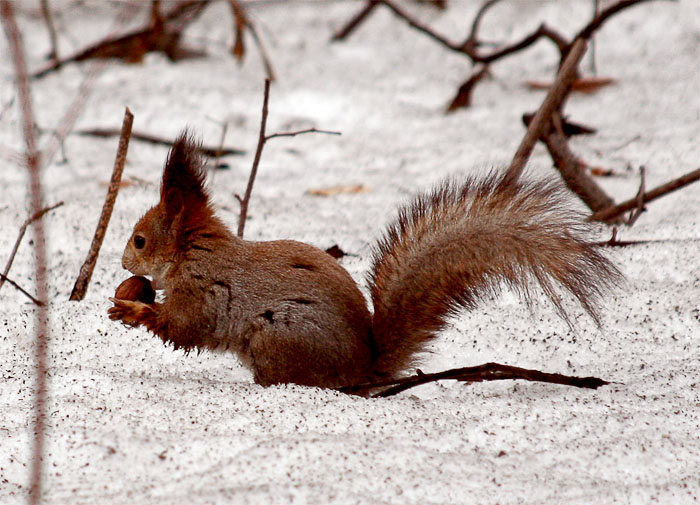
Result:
[242,21]
[211,152]
[613,212]
[355,21]
[480,373]
[553,101]
[4,278]
[14,38]
[86,270]
[22,230]
[300,132]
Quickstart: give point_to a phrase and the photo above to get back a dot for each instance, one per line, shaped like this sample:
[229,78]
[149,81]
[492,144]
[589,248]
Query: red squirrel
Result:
[292,314]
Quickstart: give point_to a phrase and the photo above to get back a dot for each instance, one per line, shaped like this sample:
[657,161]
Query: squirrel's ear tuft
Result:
[184,172]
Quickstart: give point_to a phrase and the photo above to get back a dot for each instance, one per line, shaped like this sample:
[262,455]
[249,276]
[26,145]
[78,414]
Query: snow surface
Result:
[131,421]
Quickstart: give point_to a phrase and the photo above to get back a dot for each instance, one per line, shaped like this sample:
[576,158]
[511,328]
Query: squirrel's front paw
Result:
[127,311]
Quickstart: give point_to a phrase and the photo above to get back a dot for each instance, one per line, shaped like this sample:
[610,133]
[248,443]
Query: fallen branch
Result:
[262,139]
[480,373]
[22,230]
[86,270]
[611,213]
[211,152]
[162,34]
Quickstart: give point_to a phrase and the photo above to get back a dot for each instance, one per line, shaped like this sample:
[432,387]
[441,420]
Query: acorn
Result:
[136,288]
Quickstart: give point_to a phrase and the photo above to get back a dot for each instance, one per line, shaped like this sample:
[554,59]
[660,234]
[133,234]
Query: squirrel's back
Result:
[461,242]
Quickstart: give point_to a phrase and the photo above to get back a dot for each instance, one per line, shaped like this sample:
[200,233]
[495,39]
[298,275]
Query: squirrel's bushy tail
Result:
[462,242]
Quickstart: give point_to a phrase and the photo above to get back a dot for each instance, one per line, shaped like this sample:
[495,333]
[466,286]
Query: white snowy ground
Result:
[131,421]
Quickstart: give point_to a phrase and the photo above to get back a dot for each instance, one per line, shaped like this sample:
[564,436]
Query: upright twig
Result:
[14,38]
[86,270]
[262,139]
[22,230]
[48,19]
[256,161]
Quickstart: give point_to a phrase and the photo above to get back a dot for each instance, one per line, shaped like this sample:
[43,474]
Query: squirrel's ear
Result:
[174,204]
[184,176]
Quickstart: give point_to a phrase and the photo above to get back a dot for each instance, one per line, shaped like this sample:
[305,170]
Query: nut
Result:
[136,288]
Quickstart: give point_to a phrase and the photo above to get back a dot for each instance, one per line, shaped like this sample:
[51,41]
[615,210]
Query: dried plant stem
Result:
[86,270]
[14,39]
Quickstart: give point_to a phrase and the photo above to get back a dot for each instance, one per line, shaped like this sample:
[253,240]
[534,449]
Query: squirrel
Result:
[292,314]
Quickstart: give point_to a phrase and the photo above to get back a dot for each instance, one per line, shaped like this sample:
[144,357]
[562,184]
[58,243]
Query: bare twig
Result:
[48,18]
[14,38]
[262,139]
[553,101]
[344,32]
[637,211]
[256,161]
[480,373]
[300,132]
[86,270]
[4,278]
[212,152]
[611,213]
[22,230]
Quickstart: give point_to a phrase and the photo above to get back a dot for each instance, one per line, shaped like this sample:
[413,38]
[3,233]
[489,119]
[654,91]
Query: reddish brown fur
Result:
[292,314]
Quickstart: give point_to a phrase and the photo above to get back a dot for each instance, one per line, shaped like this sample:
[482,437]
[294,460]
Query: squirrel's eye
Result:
[139,241]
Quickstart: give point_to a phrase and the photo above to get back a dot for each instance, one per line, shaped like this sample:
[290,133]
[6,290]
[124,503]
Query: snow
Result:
[131,421]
